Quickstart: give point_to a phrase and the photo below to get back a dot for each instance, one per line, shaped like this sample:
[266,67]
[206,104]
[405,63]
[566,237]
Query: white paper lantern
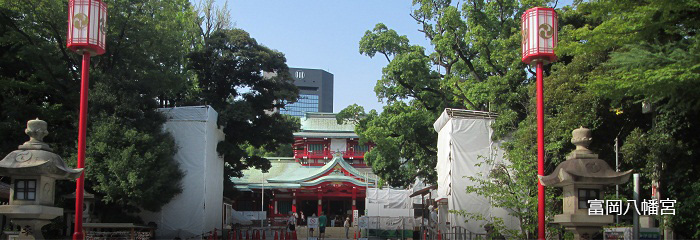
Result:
[539,35]
[87,26]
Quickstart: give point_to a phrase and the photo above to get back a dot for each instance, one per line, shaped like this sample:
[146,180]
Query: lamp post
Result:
[539,38]
[87,21]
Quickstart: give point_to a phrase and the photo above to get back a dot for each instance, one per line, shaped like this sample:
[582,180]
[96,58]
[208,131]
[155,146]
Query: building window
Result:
[305,103]
[25,189]
[284,207]
[315,147]
[361,148]
[587,194]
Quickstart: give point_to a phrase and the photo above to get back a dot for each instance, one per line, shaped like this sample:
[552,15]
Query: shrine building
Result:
[327,173]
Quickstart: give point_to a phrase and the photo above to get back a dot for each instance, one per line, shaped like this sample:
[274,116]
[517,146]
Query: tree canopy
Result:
[159,54]
[614,56]
[129,159]
[229,69]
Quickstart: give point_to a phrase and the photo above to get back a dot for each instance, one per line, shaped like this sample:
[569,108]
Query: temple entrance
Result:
[308,207]
[337,210]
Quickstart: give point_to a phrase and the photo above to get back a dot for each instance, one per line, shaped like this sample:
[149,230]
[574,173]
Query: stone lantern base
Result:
[583,226]
[31,218]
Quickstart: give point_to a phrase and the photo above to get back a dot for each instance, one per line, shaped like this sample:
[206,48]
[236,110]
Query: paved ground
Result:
[332,233]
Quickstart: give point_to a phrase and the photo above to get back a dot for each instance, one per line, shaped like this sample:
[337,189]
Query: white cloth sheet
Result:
[462,144]
[199,208]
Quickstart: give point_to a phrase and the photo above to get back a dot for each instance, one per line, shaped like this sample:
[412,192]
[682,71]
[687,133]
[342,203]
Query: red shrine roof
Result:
[293,175]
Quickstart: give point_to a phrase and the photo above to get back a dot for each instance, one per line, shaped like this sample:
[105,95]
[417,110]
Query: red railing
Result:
[313,154]
[354,154]
[327,153]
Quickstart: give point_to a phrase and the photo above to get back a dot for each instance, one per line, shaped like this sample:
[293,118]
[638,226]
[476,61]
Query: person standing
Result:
[291,222]
[347,227]
[433,218]
[322,226]
[433,222]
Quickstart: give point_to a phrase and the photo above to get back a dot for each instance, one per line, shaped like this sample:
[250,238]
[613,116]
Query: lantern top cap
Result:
[540,8]
[583,166]
[34,157]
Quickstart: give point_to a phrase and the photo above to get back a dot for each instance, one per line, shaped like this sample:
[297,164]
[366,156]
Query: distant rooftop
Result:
[324,122]
[288,174]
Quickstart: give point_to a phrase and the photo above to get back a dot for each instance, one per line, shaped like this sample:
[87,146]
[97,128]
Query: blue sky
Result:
[324,34]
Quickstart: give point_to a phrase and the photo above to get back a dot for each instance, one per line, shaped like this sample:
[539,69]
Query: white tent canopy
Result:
[465,140]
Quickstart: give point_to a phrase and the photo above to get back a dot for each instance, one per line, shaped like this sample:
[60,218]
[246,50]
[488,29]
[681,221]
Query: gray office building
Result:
[315,92]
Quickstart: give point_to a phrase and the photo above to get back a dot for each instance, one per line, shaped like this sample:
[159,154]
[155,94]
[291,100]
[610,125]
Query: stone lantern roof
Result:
[582,166]
[35,157]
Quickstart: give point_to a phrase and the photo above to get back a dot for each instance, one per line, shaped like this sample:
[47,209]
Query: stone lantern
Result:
[583,177]
[34,170]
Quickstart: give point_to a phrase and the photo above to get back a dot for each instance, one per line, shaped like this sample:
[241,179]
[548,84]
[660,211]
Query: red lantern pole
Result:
[539,39]
[82,130]
[540,153]
[87,21]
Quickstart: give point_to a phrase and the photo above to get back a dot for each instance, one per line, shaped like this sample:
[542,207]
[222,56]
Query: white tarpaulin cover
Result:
[463,142]
[241,218]
[387,223]
[198,209]
[418,185]
[388,202]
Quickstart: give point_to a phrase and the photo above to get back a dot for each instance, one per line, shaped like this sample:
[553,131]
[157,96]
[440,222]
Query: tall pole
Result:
[82,129]
[262,201]
[635,216]
[617,169]
[540,153]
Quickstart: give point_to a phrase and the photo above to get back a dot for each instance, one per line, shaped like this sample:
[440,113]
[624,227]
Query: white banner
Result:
[312,222]
[355,216]
[363,222]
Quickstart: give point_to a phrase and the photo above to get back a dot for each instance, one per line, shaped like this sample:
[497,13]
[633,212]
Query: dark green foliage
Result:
[229,70]
[614,55]
[617,55]
[472,64]
[400,131]
[129,159]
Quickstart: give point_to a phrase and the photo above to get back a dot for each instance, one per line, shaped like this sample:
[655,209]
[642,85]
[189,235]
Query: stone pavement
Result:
[332,233]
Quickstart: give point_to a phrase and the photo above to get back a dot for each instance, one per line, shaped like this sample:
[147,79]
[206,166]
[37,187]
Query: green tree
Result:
[401,130]
[471,64]
[644,52]
[614,55]
[132,157]
[129,161]
[243,80]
